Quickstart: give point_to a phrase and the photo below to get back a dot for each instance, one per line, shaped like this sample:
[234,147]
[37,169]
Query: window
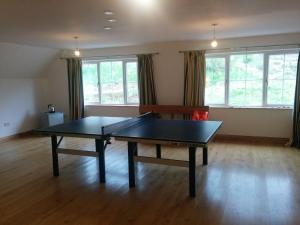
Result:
[90,82]
[282,78]
[215,80]
[132,82]
[110,82]
[251,79]
[246,79]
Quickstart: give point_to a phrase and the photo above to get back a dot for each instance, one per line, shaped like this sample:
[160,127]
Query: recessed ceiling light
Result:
[108,12]
[107,28]
[111,20]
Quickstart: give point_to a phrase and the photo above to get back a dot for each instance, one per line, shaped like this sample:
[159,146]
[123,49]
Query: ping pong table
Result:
[145,128]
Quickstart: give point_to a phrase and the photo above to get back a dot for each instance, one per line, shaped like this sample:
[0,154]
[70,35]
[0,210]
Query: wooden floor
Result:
[243,184]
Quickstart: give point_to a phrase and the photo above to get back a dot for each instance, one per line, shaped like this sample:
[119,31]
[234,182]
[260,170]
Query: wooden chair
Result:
[172,110]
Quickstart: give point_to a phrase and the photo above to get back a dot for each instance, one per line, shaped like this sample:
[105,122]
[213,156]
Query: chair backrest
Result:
[172,110]
[200,115]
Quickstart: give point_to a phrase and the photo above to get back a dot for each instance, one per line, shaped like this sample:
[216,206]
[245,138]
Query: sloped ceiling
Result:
[53,23]
[20,61]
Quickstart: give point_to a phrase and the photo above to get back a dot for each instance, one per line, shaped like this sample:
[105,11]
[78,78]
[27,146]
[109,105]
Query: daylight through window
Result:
[110,82]
[251,79]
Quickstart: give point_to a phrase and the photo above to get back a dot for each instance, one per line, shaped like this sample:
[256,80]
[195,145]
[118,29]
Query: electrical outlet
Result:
[6,124]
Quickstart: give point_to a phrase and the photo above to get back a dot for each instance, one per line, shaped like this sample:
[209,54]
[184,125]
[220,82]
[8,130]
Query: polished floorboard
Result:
[242,184]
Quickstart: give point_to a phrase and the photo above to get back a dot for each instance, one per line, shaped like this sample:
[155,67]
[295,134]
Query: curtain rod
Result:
[244,47]
[111,56]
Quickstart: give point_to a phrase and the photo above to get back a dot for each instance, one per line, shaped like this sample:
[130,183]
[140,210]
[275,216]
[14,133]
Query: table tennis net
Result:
[109,129]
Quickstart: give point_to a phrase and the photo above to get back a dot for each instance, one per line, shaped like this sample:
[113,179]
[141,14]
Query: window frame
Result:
[228,70]
[125,80]
[266,58]
[226,90]
[266,81]
[124,72]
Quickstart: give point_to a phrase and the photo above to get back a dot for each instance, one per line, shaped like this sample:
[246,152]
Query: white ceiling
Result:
[53,23]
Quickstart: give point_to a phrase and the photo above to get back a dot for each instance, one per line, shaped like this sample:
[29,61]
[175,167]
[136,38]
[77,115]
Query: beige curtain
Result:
[76,104]
[194,78]
[146,80]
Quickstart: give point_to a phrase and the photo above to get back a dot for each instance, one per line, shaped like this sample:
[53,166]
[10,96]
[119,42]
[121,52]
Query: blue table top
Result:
[183,131]
[89,126]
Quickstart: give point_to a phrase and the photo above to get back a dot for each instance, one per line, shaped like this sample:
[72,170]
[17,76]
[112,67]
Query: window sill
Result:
[111,105]
[254,107]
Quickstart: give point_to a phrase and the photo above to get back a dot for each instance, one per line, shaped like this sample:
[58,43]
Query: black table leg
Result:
[132,148]
[205,158]
[100,149]
[54,156]
[192,171]
[158,151]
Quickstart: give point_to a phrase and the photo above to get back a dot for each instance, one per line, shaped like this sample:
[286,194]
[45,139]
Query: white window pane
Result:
[275,92]
[112,93]
[132,82]
[289,92]
[105,72]
[237,67]
[282,78]
[276,67]
[215,93]
[132,93]
[111,81]
[254,93]
[246,80]
[90,82]
[215,81]
[245,93]
[237,93]
[254,67]
[291,61]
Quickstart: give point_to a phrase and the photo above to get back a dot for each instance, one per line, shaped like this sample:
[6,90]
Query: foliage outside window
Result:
[110,82]
[251,79]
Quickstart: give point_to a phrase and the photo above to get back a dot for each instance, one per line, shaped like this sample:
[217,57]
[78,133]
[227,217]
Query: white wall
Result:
[23,91]
[254,122]
[22,100]
[91,110]
[57,76]
[169,84]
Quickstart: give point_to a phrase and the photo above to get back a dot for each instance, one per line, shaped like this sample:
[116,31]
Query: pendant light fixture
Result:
[76,51]
[214,42]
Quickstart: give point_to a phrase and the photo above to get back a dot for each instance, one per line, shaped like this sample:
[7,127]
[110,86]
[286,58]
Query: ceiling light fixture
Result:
[76,51]
[214,42]
[108,12]
[111,20]
[107,28]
